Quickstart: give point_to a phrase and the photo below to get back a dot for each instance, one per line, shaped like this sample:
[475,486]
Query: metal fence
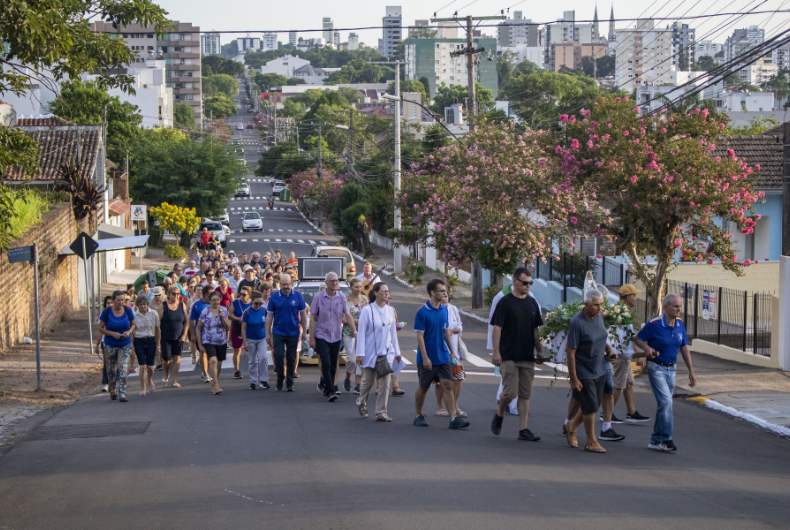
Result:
[568,270]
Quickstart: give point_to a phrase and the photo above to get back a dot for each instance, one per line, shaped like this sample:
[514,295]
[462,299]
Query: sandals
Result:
[383,417]
[442,412]
[599,450]
[398,392]
[217,393]
[176,385]
[141,394]
[461,413]
[572,441]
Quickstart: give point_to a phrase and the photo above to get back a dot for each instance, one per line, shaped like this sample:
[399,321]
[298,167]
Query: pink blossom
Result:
[625,99]
[678,243]
[575,144]
[558,149]
[572,119]
[757,167]
[731,153]
[756,262]
[633,179]
[625,133]
[636,206]
[574,220]
[598,256]
[747,262]
[618,100]
[664,130]
[564,118]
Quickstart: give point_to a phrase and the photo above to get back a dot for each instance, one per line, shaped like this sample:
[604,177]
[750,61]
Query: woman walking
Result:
[235,312]
[225,290]
[146,340]
[194,315]
[376,343]
[212,334]
[116,323]
[173,321]
[356,303]
[100,346]
[253,329]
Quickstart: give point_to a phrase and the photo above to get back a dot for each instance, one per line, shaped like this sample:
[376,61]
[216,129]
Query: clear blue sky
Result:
[307,14]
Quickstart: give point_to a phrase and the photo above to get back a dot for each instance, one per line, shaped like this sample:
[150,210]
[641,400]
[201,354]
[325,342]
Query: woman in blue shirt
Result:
[253,331]
[116,323]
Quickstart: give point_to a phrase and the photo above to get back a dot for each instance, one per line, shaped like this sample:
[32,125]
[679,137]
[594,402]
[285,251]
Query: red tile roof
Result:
[118,207]
[58,145]
[765,150]
[48,121]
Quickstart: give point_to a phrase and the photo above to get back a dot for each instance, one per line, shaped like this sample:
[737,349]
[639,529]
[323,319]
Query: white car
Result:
[214,227]
[239,127]
[279,186]
[251,221]
[224,218]
[244,190]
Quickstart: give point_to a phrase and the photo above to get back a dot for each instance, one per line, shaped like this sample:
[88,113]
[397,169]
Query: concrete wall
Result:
[762,277]
[57,279]
[548,294]
[383,241]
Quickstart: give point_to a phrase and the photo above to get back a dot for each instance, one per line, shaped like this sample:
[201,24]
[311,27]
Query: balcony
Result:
[186,91]
[181,55]
[182,67]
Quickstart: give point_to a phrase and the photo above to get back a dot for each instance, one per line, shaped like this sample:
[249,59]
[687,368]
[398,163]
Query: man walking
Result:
[367,274]
[587,355]
[623,375]
[661,339]
[326,325]
[433,354]
[282,329]
[516,321]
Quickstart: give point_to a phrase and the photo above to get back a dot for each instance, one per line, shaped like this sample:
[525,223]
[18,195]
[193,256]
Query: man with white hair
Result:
[326,327]
[587,353]
[285,308]
[662,339]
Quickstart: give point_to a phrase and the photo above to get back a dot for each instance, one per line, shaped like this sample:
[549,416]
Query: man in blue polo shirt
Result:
[433,354]
[282,329]
[661,339]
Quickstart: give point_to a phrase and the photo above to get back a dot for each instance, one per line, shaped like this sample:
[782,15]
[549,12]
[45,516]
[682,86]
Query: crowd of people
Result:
[250,306]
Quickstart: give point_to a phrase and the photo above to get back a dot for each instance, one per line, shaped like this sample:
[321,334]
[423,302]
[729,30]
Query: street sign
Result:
[20,254]
[139,212]
[84,246]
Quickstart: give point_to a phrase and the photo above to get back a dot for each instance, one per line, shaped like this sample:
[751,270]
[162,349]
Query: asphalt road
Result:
[183,458]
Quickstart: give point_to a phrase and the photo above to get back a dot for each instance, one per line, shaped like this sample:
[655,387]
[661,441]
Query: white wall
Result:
[284,66]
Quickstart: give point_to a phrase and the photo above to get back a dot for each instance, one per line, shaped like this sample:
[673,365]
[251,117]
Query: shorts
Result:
[145,349]
[591,394]
[623,375]
[170,349]
[235,340]
[220,351]
[608,387]
[517,379]
[437,371]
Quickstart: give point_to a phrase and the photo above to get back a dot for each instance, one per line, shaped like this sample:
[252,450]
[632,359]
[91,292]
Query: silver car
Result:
[251,221]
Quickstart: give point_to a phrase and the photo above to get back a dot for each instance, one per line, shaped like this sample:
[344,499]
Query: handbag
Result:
[383,367]
[463,352]
[458,369]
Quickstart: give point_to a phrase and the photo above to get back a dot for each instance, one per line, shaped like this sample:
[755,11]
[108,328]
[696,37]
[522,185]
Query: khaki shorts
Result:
[517,379]
[622,372]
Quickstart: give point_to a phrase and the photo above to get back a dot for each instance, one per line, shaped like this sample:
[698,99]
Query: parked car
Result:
[216,228]
[225,218]
[239,149]
[243,191]
[239,127]
[279,186]
[249,126]
[349,266]
[251,221]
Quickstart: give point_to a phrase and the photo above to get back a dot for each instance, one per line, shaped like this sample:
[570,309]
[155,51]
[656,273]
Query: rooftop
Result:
[763,149]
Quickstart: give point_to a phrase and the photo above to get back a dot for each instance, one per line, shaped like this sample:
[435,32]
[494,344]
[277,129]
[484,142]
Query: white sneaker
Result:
[105,388]
[660,446]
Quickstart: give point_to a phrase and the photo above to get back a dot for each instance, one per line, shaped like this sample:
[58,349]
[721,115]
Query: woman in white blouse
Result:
[376,337]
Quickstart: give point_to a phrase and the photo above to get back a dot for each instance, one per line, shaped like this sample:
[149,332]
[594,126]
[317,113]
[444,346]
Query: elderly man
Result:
[661,339]
[158,298]
[283,312]
[587,353]
[193,269]
[367,274]
[326,326]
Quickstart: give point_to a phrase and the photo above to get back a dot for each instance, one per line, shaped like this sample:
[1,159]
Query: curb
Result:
[715,405]
[388,273]
[308,220]
[473,316]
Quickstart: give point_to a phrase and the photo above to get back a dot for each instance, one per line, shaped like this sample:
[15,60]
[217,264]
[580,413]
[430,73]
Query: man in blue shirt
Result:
[433,354]
[661,339]
[285,308]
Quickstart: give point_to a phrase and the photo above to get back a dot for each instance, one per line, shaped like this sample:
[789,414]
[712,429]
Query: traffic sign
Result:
[20,254]
[84,246]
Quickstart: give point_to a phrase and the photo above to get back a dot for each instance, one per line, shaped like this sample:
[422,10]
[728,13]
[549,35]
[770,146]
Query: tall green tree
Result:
[359,71]
[83,103]
[409,85]
[601,67]
[221,65]
[505,64]
[183,116]
[230,49]
[220,85]
[268,81]
[447,95]
[219,107]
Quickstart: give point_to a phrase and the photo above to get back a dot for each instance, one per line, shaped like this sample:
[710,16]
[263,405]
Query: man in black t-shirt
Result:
[515,339]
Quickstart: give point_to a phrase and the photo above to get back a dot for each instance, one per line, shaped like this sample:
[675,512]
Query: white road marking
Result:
[232,240]
[290,230]
[254,240]
[300,240]
[289,240]
[311,241]
[478,361]
[243,240]
[299,231]
[266,240]
[322,242]
[279,229]
[278,240]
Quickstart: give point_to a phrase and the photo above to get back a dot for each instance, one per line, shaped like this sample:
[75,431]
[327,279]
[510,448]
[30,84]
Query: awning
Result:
[118,243]
[108,231]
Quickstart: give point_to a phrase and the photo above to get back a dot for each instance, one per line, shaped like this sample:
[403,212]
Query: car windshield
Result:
[213,226]
[252,215]
[334,253]
[311,289]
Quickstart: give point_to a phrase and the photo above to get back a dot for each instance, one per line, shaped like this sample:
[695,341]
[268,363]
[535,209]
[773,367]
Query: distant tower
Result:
[595,32]
[612,34]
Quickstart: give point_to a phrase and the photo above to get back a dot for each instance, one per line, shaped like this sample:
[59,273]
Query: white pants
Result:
[513,407]
[258,364]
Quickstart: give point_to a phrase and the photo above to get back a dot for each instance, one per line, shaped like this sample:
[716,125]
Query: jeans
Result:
[117,361]
[285,350]
[258,361]
[328,352]
[662,379]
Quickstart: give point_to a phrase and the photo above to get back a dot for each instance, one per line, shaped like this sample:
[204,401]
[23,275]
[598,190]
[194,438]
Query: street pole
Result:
[87,294]
[34,257]
[786,191]
[319,170]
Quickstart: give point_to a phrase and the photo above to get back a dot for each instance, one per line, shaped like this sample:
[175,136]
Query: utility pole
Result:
[470,51]
[397,258]
[786,191]
[350,164]
[320,170]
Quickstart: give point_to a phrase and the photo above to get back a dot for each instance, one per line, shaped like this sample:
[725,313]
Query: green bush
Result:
[350,228]
[175,252]
[416,272]
[489,294]
[29,206]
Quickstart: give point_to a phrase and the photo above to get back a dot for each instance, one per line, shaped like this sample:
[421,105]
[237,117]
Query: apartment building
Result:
[392,32]
[248,43]
[569,54]
[292,38]
[328,33]
[517,31]
[209,44]
[706,48]
[683,39]
[760,71]
[431,58]
[269,42]
[643,55]
[180,49]
[741,41]
[353,41]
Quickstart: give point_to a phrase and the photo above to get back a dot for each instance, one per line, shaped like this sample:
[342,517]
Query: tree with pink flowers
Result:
[666,192]
[317,194]
[491,197]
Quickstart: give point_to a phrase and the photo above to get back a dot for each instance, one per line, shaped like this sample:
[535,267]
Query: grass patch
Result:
[29,207]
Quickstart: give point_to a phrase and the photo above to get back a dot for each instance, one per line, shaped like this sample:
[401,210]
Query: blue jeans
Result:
[662,379]
[608,385]
[285,350]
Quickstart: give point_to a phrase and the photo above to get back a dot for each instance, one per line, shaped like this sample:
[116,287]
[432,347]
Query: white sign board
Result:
[139,212]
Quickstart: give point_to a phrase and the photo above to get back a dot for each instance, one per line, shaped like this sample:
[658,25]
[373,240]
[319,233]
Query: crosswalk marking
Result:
[278,240]
[300,240]
[322,242]
[289,240]
[232,240]
[311,241]
[474,359]
[266,240]
[243,240]
[279,229]
[290,230]
[254,240]
[299,231]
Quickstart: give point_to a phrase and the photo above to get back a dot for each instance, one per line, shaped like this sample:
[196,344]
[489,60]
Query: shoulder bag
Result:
[383,367]
[237,323]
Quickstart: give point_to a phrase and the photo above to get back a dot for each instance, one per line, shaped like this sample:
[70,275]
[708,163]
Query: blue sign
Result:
[20,254]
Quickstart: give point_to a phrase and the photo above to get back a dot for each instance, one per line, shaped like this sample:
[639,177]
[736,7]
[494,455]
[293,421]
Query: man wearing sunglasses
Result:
[210,280]
[515,340]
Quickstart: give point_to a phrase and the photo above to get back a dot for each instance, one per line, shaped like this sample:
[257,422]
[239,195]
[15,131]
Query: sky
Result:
[257,17]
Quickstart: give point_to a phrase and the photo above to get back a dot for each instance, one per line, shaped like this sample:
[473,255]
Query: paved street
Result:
[184,458]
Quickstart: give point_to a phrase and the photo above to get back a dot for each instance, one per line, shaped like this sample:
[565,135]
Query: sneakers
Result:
[347,385]
[289,389]
[253,386]
[363,410]
[527,435]
[419,421]
[496,424]
[265,385]
[279,386]
[611,436]
[205,378]
[237,375]
[615,419]
[320,385]
[458,423]
[636,418]
[159,368]
[671,445]
[331,397]
[356,390]
[660,446]
[105,388]
[565,430]
[336,390]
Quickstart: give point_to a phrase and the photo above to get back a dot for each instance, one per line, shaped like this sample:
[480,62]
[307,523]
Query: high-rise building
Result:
[337,39]
[517,31]
[683,38]
[643,56]
[741,41]
[209,44]
[430,58]
[567,31]
[353,41]
[269,42]
[248,43]
[392,32]
[292,38]
[328,33]
[180,49]
[706,47]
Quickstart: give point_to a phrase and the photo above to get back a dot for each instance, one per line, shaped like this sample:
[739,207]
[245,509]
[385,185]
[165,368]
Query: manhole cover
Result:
[101,430]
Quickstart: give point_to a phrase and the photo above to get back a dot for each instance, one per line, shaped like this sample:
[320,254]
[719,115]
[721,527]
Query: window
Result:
[188,97]
[150,35]
[437,61]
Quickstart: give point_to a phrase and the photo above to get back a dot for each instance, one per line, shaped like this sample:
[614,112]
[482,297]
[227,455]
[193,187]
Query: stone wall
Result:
[57,279]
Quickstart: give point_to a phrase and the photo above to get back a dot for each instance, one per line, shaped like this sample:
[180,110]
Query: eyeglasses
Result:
[530,282]
[257,303]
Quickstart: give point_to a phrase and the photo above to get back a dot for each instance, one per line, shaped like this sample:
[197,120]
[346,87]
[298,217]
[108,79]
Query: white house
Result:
[284,65]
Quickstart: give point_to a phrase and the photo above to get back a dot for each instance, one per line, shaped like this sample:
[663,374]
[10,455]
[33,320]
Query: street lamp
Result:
[396,170]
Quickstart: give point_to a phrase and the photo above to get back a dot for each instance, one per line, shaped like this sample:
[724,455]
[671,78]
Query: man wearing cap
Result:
[623,375]
[249,279]
[156,301]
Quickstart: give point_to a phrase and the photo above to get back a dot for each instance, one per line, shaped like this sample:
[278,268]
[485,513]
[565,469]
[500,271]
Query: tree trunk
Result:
[477,284]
